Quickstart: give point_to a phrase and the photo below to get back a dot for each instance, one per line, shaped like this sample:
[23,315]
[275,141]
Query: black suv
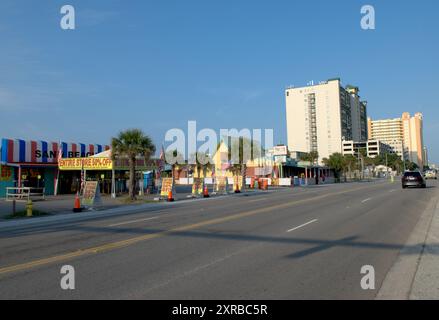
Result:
[413,179]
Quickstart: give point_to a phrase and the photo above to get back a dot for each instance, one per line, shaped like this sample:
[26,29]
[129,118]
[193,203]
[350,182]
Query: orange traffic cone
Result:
[205,192]
[265,184]
[170,198]
[77,206]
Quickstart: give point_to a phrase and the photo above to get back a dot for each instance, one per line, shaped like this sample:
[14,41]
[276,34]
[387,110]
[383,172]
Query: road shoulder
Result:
[407,279]
[426,282]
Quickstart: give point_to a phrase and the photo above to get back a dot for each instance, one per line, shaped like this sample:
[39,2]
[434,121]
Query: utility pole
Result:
[387,168]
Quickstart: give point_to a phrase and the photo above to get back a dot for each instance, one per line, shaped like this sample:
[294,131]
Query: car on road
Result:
[431,174]
[413,179]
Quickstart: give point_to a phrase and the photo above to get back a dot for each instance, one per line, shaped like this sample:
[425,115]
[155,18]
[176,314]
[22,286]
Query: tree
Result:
[201,161]
[411,166]
[132,143]
[247,148]
[350,163]
[178,159]
[312,157]
[391,160]
[336,162]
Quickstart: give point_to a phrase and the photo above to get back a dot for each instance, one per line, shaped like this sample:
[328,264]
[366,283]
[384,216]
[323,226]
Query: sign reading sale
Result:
[92,195]
[85,163]
[167,186]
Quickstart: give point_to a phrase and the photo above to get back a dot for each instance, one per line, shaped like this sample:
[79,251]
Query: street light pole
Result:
[387,167]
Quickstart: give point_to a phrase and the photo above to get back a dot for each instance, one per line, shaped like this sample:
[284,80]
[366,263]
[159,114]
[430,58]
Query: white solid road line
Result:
[365,200]
[302,225]
[132,221]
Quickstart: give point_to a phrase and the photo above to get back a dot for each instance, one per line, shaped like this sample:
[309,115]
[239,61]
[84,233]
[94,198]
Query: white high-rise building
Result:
[320,117]
[404,135]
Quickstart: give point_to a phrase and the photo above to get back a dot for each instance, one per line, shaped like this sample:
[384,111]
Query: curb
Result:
[69,216]
[398,283]
[426,282]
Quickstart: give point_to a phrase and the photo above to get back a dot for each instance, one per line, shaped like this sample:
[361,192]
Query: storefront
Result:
[34,164]
[106,171]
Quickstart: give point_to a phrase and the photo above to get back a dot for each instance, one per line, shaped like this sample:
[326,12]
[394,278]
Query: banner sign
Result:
[167,185]
[197,186]
[91,196]
[280,151]
[285,182]
[141,164]
[221,185]
[26,151]
[5,173]
[85,163]
[280,159]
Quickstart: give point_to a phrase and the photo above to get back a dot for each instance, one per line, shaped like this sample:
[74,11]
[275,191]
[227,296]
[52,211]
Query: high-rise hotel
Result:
[320,117]
[404,135]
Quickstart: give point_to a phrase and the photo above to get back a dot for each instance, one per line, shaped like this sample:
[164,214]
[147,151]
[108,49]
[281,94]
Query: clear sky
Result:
[157,64]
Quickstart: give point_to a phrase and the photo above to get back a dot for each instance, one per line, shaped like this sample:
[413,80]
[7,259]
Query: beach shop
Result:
[111,175]
[34,164]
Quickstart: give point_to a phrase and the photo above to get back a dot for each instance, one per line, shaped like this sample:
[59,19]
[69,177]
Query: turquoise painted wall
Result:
[49,181]
[6,184]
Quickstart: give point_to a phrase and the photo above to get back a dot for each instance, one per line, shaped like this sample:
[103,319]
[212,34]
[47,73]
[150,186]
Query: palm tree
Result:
[312,157]
[200,161]
[132,143]
[350,163]
[247,150]
[336,162]
[177,159]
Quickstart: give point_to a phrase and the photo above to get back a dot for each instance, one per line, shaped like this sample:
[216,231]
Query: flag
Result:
[213,170]
[82,179]
[161,163]
[58,158]
[226,165]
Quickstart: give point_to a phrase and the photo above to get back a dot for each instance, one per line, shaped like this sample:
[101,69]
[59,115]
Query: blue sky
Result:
[157,64]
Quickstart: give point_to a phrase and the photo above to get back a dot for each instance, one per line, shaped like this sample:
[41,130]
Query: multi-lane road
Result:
[306,243]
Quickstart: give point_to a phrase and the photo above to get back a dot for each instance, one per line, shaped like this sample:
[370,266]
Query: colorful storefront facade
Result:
[31,163]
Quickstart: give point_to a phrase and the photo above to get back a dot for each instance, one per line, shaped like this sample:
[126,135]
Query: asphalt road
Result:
[306,243]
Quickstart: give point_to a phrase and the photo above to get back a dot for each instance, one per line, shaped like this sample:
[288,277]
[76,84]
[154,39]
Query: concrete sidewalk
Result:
[64,203]
[426,282]
[55,205]
[415,274]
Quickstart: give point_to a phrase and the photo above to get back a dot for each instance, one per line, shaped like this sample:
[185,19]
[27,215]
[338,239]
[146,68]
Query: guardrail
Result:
[25,194]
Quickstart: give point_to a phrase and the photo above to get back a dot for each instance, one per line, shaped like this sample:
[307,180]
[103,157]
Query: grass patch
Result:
[22,214]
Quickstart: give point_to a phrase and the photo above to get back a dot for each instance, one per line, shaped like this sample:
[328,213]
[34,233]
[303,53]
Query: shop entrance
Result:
[69,182]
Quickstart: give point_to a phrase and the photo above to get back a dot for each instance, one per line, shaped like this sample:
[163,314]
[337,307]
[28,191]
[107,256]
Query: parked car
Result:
[413,179]
[431,174]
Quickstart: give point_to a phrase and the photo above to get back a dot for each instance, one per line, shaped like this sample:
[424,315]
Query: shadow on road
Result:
[317,245]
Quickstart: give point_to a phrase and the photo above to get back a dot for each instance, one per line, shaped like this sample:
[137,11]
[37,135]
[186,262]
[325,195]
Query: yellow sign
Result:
[221,184]
[197,186]
[167,185]
[5,173]
[85,163]
[90,192]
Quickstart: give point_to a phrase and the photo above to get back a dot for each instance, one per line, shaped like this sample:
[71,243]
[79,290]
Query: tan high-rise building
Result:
[404,135]
[320,117]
